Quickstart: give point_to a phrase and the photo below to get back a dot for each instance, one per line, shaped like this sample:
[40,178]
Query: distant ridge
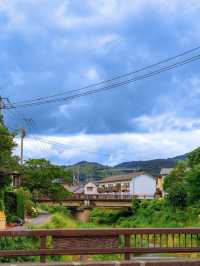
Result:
[153,166]
[86,163]
[95,171]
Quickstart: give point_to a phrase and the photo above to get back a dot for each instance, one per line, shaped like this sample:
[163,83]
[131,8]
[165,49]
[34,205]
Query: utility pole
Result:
[1,106]
[1,110]
[22,135]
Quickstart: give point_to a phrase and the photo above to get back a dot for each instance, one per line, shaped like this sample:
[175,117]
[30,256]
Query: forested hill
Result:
[152,166]
[93,170]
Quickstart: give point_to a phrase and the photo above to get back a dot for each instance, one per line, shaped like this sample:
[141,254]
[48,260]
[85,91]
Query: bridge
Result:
[98,200]
[126,242]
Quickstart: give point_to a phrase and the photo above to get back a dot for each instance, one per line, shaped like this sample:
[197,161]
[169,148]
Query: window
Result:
[89,189]
[16,181]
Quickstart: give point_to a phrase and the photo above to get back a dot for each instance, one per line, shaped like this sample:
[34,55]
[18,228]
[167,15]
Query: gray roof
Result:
[118,178]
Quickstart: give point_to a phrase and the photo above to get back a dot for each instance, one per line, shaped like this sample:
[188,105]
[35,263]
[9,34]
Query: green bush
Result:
[17,243]
[135,205]
[10,200]
[107,216]
[177,196]
[20,205]
[2,207]
[54,209]
[12,218]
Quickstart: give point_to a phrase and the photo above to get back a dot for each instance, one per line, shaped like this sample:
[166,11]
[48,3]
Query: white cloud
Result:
[100,43]
[63,13]
[166,122]
[101,12]
[17,78]
[74,106]
[92,75]
[113,148]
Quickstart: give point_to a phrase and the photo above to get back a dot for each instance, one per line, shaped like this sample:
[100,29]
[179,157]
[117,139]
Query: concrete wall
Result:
[143,185]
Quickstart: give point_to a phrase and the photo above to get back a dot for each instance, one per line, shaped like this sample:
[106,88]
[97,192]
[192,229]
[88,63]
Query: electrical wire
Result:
[115,78]
[123,83]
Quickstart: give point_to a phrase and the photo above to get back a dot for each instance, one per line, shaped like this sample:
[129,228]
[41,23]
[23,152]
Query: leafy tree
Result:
[8,162]
[7,144]
[175,186]
[177,195]
[193,176]
[135,205]
[176,176]
[42,176]
[193,183]
[194,158]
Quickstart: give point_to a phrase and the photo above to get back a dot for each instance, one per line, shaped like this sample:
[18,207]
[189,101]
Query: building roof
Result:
[6,172]
[79,190]
[124,177]
[165,171]
[95,182]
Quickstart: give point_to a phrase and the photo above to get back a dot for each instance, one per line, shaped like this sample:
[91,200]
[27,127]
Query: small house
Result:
[90,188]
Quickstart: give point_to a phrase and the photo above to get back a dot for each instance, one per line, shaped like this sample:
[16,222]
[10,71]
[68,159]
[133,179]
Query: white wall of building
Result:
[143,185]
[90,189]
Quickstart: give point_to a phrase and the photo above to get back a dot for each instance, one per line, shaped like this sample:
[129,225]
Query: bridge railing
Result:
[104,241]
[103,197]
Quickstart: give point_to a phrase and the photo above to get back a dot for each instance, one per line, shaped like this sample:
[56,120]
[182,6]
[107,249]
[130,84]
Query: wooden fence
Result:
[106,241]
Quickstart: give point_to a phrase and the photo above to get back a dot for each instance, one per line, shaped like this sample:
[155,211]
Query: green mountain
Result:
[89,170]
[95,171]
[152,166]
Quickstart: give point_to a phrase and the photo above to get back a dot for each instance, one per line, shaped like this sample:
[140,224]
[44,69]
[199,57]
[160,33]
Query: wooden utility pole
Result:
[22,135]
[1,106]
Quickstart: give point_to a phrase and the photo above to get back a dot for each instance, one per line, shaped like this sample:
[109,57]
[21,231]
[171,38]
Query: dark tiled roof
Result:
[117,178]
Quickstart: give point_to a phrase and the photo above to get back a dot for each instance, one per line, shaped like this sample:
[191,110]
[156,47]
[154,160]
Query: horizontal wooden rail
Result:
[105,241]
[96,197]
[97,232]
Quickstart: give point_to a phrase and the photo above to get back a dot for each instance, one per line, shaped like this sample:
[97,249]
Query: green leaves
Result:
[7,145]
[177,195]
[194,158]
[42,176]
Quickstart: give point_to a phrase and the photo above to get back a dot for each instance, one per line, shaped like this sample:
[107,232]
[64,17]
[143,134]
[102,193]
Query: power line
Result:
[77,147]
[113,79]
[122,83]
[65,146]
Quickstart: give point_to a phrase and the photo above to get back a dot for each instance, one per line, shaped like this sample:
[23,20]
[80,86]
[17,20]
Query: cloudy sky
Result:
[52,46]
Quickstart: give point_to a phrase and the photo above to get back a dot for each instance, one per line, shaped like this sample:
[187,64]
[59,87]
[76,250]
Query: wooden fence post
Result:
[127,245]
[43,246]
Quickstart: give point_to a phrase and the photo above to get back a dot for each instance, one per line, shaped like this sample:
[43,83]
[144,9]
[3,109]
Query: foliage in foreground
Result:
[43,177]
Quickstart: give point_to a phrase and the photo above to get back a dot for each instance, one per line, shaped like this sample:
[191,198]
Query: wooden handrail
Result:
[97,232]
[132,240]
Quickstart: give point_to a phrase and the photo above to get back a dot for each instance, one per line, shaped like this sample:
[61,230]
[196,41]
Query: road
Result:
[39,220]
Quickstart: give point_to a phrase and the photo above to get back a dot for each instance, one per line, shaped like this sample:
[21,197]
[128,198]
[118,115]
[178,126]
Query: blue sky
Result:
[51,46]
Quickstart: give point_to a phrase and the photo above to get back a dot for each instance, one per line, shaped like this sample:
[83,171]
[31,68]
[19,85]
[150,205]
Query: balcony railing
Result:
[113,189]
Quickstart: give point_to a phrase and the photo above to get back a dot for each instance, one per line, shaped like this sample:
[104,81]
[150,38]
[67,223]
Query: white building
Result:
[90,189]
[140,184]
